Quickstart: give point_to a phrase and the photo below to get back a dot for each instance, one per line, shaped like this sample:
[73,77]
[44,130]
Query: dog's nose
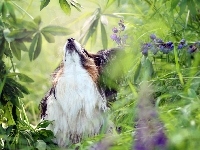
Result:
[71,39]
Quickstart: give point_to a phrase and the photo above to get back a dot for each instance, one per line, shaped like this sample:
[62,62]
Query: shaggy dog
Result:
[76,103]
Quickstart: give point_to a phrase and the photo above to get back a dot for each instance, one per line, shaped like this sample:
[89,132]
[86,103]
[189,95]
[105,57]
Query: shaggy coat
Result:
[76,103]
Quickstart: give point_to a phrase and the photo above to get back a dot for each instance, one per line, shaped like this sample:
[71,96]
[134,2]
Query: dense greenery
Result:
[160,40]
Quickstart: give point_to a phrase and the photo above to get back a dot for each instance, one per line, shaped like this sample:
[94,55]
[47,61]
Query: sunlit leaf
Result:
[65,6]
[109,3]
[37,20]
[56,30]
[44,3]
[15,50]
[8,113]
[104,20]
[6,32]
[49,37]
[104,38]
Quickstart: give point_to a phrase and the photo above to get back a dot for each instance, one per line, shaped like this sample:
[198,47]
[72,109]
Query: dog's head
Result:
[74,53]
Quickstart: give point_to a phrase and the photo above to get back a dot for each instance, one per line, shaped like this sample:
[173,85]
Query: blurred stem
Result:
[178,67]
[24,112]
[23,9]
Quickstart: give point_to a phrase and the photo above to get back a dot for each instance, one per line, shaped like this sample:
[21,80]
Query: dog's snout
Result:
[71,40]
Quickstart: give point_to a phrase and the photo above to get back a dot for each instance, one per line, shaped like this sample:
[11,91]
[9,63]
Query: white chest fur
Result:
[77,108]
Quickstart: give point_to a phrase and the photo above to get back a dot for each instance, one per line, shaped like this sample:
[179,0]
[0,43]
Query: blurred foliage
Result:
[174,75]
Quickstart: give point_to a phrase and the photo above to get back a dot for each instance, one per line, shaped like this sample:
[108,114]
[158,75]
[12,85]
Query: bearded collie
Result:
[77,103]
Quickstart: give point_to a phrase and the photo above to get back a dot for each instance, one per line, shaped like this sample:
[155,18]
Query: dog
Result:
[77,102]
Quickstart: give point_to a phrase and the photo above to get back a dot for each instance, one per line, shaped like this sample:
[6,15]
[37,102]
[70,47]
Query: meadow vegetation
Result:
[161,45]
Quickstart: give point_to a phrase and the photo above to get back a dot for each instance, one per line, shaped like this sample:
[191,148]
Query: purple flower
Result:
[115,38]
[153,36]
[192,49]
[115,30]
[149,133]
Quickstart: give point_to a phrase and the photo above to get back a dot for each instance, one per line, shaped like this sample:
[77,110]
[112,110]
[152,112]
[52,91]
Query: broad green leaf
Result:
[19,34]
[13,83]
[44,124]
[33,46]
[10,9]
[104,38]
[20,45]
[15,50]
[192,7]
[1,6]
[56,30]
[183,6]
[49,37]
[44,3]
[22,77]
[38,47]
[23,24]
[174,3]
[65,6]
[37,20]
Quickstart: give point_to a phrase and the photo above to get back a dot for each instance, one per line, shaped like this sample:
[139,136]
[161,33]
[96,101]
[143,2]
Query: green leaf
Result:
[22,77]
[33,46]
[10,9]
[56,30]
[49,37]
[20,23]
[137,72]
[44,3]
[76,5]
[8,113]
[15,50]
[37,20]
[92,32]
[38,47]
[104,38]
[20,45]
[41,145]
[44,124]
[19,34]
[6,32]
[65,6]
[109,3]
[174,3]
[13,83]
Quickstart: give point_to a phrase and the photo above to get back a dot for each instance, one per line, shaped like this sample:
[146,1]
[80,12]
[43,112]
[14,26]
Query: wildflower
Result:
[149,133]
[115,30]
[152,36]
[192,49]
